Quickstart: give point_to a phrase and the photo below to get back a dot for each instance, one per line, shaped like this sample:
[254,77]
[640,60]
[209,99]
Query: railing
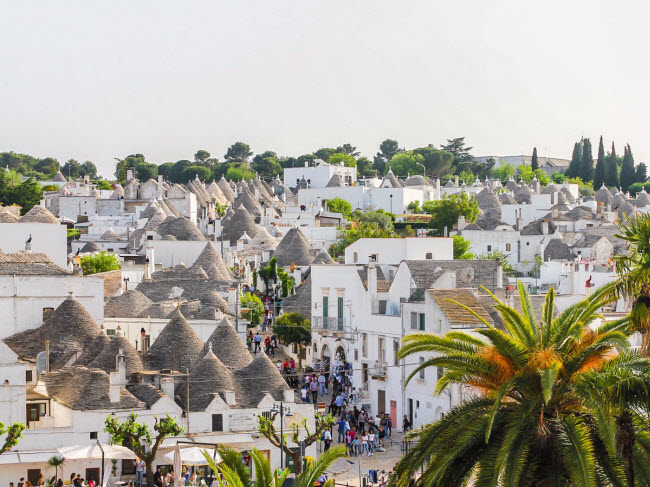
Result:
[379,370]
[332,323]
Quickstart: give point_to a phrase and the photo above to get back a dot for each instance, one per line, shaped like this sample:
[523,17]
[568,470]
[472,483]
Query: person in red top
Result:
[267,344]
[292,365]
[285,366]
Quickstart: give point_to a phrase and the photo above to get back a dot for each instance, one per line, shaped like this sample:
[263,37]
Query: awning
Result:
[26,457]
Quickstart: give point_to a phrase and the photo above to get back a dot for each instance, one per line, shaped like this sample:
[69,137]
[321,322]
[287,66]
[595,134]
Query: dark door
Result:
[33,475]
[32,412]
[381,401]
[364,373]
[92,474]
[410,412]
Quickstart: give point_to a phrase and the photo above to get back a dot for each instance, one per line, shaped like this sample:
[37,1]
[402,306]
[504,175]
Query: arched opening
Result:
[439,412]
[340,353]
[325,353]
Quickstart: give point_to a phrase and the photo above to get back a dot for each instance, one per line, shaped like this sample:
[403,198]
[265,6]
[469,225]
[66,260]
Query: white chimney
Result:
[129,174]
[117,379]
[167,386]
[230,397]
[151,260]
[544,227]
[461,223]
[289,395]
[372,285]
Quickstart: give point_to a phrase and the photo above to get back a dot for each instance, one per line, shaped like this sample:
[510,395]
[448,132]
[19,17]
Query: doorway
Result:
[410,412]
[393,411]
[381,401]
[340,354]
[364,374]
[92,474]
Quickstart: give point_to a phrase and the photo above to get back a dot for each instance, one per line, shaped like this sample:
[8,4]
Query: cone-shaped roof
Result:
[228,346]
[213,299]
[603,195]
[150,210]
[226,189]
[160,310]
[70,328]
[557,249]
[93,349]
[195,272]
[293,248]
[523,194]
[110,235]
[390,180]
[550,188]
[171,207]
[617,201]
[416,180]
[642,198]
[90,247]
[181,228]
[240,223]
[324,257]
[39,214]
[507,199]
[228,215]
[261,376]
[106,360]
[487,200]
[208,377]
[129,305]
[212,262]
[177,343]
[7,217]
[206,314]
[59,178]
[335,181]
[569,197]
[248,200]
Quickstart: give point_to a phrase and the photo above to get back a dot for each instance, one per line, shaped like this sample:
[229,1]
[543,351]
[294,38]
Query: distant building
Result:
[549,165]
[319,174]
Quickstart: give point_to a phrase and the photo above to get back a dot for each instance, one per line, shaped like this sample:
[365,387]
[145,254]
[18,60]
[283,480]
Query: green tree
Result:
[534,164]
[387,149]
[12,433]
[611,168]
[133,161]
[413,207]
[89,169]
[55,462]
[135,436]
[102,262]
[103,184]
[293,328]
[239,172]
[338,205]
[238,152]
[504,171]
[201,156]
[497,254]
[364,167]
[298,433]
[380,218]
[406,163]
[269,272]
[587,161]
[267,164]
[462,248]
[252,309]
[348,150]
[12,192]
[437,162]
[628,174]
[445,212]
[641,174]
[71,169]
[287,282]
[324,154]
[346,159]
[523,421]
[350,235]
[191,172]
[574,166]
[600,174]
[458,149]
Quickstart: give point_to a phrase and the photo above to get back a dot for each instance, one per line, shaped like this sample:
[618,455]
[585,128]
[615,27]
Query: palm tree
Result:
[524,423]
[617,395]
[634,273]
[55,462]
[235,474]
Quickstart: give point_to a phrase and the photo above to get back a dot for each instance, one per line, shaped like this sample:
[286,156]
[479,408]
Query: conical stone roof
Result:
[523,194]
[226,189]
[181,228]
[323,257]
[213,299]
[507,199]
[642,198]
[603,195]
[70,328]
[171,207]
[90,247]
[150,210]
[129,305]
[39,214]
[93,349]
[7,217]
[240,223]
[59,177]
[616,202]
[106,360]
[248,200]
[549,189]
[228,346]
[208,378]
[261,376]
[177,343]
[294,248]
[487,200]
[335,181]
[212,263]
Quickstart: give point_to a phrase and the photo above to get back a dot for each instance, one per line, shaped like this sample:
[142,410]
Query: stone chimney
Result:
[544,227]
[129,174]
[118,378]
[372,284]
[289,395]
[229,396]
[462,223]
[456,180]
[86,179]
[161,189]
[167,386]
[555,213]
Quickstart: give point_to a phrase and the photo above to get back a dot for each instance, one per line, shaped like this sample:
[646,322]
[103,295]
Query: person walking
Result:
[258,342]
[341,427]
[139,471]
[313,386]
[406,424]
[339,404]
[364,444]
[362,421]
[328,438]
[322,384]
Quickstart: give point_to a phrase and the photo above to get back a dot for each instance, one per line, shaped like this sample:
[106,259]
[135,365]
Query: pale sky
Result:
[94,80]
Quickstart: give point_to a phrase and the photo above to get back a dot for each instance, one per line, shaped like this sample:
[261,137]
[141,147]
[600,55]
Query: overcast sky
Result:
[96,80]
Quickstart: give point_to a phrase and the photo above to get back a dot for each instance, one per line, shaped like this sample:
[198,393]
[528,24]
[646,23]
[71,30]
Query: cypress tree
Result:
[599,175]
[533,162]
[611,168]
[574,167]
[641,175]
[627,169]
[587,162]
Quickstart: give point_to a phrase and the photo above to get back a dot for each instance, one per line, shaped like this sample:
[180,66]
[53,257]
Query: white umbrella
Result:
[97,451]
[191,456]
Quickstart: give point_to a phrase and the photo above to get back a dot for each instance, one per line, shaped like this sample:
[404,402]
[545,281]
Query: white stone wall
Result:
[395,250]
[47,238]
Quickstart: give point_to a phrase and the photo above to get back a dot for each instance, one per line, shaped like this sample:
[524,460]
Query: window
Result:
[429,256]
[439,328]
[489,248]
[29,376]
[422,371]
[364,344]
[417,321]
[47,312]
[93,435]
[527,244]
[508,247]
[440,370]
[149,237]
[326,307]
[417,404]
[217,422]
[267,414]
[395,352]
[355,257]
[374,257]
[382,306]
[110,333]
[356,354]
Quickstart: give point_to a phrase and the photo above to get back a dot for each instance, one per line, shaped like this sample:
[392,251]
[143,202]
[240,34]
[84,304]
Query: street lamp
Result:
[424,169]
[283,411]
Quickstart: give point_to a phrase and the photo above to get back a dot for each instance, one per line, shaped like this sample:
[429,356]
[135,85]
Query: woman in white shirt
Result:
[364,444]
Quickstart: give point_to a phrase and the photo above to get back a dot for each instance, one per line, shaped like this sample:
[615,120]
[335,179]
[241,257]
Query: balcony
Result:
[379,371]
[328,323]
